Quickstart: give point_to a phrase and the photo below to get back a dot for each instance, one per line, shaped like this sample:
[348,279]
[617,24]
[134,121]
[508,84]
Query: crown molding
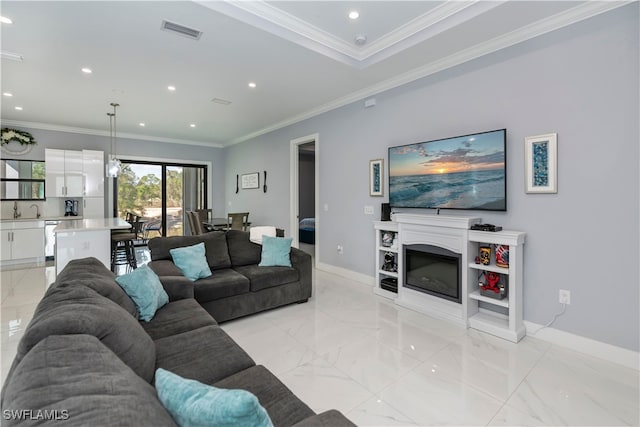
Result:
[97,132]
[266,17]
[568,17]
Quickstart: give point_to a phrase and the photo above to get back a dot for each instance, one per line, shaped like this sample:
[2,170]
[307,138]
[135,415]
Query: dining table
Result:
[219,223]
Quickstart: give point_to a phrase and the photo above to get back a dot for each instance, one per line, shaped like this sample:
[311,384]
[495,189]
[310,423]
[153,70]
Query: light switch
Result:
[368,210]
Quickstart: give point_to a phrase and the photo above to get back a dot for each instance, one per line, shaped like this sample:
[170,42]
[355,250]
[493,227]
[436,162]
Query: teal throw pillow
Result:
[275,251]
[192,403]
[192,261]
[144,288]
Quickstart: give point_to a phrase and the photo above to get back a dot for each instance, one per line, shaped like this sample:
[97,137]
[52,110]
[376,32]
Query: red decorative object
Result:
[502,256]
[492,282]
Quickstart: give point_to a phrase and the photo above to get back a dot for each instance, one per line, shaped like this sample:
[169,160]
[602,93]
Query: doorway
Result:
[304,192]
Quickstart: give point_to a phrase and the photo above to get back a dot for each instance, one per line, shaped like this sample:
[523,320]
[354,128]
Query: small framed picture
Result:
[541,163]
[376,171]
[250,180]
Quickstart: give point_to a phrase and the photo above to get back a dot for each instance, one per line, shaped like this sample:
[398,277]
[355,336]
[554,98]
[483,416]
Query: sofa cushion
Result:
[146,291]
[92,273]
[275,252]
[283,407]
[242,251]
[192,403]
[215,243]
[177,317]
[79,310]
[206,354]
[221,284]
[267,277]
[192,261]
[78,376]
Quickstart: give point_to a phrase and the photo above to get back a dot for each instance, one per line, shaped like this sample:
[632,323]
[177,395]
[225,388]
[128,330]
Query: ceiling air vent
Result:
[221,101]
[181,29]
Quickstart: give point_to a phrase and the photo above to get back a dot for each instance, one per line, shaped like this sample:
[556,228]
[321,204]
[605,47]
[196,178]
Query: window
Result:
[161,193]
[22,180]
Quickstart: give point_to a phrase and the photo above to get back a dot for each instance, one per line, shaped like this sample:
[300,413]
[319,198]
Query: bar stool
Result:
[123,251]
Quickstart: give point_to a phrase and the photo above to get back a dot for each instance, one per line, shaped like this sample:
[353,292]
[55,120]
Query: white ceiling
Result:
[301,54]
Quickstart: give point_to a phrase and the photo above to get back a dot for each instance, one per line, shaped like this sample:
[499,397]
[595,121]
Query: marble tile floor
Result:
[383,365]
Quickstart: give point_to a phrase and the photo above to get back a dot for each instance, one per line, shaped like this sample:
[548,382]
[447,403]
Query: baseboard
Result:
[348,274]
[609,352]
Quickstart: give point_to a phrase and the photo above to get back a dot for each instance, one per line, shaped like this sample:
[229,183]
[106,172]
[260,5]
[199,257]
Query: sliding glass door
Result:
[160,193]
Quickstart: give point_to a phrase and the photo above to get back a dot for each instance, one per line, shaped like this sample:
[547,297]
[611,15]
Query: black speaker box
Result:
[385,212]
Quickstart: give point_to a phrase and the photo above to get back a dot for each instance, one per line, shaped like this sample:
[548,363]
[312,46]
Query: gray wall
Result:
[581,82]
[133,147]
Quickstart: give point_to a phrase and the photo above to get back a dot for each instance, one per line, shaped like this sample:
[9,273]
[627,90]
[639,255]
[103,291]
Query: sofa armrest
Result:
[173,281]
[331,418]
[177,287]
[301,261]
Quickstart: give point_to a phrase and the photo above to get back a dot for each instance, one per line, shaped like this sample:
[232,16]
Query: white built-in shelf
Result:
[491,323]
[491,317]
[491,267]
[478,297]
[380,228]
[388,273]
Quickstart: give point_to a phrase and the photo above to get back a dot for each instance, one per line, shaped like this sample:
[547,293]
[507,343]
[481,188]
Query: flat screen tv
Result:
[463,172]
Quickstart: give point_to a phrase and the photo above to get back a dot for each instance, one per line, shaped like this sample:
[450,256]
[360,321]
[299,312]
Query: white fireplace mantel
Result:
[461,222]
[445,231]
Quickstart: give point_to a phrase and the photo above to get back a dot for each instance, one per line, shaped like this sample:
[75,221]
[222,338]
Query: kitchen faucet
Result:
[37,210]
[16,214]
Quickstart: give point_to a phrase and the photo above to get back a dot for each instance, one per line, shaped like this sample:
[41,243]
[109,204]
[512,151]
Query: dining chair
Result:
[189,216]
[205,216]
[195,223]
[238,221]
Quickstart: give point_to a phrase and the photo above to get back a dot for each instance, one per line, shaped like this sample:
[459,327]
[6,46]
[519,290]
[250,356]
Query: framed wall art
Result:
[541,163]
[376,171]
[250,180]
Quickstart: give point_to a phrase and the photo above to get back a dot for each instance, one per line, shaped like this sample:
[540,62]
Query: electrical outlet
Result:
[340,249]
[326,207]
[564,297]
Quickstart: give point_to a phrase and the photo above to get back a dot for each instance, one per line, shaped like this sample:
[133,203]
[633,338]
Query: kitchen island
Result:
[86,238]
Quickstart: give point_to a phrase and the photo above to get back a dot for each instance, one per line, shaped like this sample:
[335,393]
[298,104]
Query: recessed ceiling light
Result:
[354,14]
[87,70]
[7,94]
[192,125]
[171,88]
[141,124]
[18,108]
[252,85]
[5,20]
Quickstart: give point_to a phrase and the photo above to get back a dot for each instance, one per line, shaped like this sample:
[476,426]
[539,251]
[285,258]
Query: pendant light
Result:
[113,165]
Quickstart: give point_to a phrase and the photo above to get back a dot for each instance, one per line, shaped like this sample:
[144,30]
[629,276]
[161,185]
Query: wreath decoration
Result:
[10,135]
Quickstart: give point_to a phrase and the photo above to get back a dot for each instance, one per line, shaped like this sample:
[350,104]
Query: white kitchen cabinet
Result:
[93,172]
[64,173]
[22,240]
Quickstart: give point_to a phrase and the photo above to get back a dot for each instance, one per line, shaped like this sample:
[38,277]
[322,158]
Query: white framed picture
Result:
[250,180]
[541,163]
[376,171]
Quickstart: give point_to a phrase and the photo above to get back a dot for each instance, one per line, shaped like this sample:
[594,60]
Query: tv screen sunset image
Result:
[466,172]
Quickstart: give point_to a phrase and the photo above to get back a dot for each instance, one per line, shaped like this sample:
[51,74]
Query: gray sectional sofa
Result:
[85,359]
[237,286]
